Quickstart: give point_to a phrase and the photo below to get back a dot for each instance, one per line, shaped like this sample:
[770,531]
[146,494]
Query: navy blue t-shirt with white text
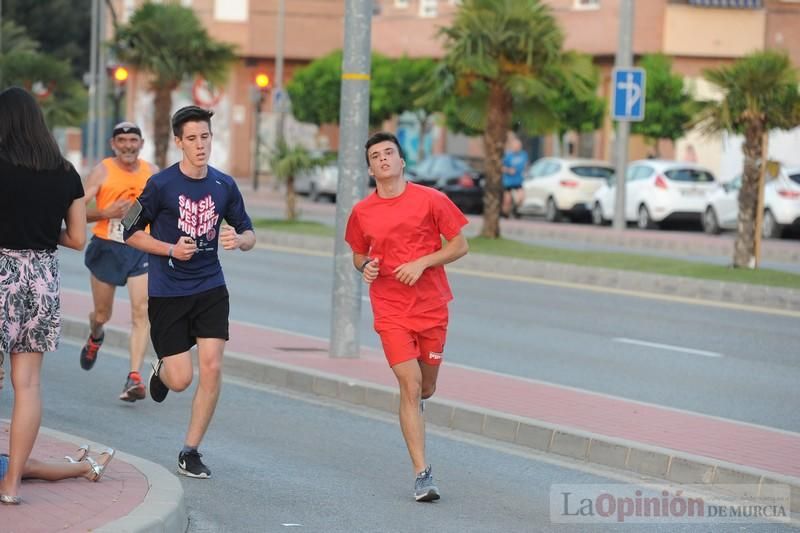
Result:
[175,205]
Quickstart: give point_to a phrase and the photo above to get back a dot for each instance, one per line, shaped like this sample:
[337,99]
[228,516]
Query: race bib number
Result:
[115,230]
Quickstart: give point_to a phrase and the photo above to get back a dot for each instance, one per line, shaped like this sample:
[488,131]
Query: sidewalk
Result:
[655,441]
[134,495]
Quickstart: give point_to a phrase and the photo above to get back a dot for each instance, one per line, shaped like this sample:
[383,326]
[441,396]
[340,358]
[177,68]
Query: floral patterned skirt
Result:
[30,307]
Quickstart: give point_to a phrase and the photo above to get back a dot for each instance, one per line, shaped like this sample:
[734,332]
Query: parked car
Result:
[558,187]
[319,183]
[452,175]
[656,191]
[781,204]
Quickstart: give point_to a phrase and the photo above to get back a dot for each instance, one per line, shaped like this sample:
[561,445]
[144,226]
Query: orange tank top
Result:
[119,184]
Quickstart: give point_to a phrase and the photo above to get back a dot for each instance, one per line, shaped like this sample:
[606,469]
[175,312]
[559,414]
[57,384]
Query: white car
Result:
[559,187]
[656,191]
[318,183]
[781,204]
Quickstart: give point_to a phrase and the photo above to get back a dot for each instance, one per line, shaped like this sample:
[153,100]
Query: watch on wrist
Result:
[364,265]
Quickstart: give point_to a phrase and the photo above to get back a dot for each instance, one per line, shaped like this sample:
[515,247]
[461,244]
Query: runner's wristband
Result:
[171,248]
[364,265]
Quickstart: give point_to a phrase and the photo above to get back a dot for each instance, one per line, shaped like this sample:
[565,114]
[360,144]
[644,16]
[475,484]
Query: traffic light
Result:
[262,81]
[120,75]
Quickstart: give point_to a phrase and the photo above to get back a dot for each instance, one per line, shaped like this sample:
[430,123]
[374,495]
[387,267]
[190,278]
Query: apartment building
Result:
[697,33]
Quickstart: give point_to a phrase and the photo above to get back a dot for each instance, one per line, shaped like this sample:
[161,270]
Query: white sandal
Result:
[83,453]
[98,470]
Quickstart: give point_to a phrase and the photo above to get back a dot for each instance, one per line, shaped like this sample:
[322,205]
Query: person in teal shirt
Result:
[515,161]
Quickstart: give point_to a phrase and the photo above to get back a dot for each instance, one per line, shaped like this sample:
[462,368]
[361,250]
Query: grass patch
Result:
[302,227]
[633,262]
[613,260]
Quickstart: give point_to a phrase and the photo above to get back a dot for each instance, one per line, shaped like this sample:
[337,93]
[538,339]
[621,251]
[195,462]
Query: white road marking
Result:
[670,347]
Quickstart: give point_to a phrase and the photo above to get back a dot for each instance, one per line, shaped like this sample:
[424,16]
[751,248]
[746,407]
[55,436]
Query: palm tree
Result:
[504,61]
[760,93]
[169,42]
[287,162]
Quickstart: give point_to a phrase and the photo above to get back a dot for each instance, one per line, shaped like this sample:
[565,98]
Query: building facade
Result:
[697,34]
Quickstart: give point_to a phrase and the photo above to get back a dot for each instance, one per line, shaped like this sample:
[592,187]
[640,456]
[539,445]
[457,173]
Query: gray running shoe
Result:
[424,488]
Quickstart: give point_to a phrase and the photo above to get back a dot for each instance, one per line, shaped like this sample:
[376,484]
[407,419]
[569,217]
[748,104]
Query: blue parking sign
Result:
[628,90]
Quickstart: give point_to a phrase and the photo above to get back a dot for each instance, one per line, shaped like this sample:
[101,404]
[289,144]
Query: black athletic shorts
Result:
[177,321]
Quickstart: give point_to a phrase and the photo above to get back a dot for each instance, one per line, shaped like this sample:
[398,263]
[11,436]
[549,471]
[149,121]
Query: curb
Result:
[630,456]
[697,290]
[163,509]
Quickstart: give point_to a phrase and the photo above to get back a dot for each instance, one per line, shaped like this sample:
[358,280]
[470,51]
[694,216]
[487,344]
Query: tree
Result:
[169,42]
[580,111]
[61,27]
[316,88]
[287,162]
[759,93]
[504,60]
[667,104]
[62,97]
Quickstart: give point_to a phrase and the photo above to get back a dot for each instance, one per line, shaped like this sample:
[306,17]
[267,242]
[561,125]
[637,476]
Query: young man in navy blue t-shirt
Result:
[184,205]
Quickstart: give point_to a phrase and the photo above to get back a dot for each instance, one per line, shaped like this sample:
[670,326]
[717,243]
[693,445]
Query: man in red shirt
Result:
[396,237]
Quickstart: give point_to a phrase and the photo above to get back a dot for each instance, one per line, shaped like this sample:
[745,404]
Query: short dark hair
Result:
[380,137]
[190,113]
[25,139]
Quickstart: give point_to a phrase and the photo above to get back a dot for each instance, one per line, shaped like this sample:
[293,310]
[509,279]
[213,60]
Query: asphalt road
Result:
[279,460]
[729,363]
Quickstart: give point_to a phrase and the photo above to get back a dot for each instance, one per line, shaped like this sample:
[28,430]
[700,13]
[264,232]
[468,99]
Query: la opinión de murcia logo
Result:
[627,503]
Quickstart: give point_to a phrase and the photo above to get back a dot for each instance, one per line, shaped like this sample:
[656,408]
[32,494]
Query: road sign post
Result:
[628,91]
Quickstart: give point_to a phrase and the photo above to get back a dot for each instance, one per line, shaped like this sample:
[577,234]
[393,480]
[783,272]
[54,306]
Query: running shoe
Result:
[425,490]
[89,351]
[133,390]
[190,464]
[158,391]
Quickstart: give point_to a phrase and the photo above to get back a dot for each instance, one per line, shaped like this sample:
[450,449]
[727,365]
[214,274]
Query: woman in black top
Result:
[39,190]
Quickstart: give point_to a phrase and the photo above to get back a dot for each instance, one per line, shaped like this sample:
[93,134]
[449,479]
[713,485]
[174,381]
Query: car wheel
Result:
[710,222]
[551,212]
[597,215]
[313,193]
[770,229]
[644,220]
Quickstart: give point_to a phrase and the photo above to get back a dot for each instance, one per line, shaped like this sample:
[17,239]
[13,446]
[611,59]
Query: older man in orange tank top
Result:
[113,185]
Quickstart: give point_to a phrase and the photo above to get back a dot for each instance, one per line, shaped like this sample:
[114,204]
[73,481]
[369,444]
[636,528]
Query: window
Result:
[689,175]
[401,4]
[593,172]
[428,8]
[586,4]
[231,10]
[127,9]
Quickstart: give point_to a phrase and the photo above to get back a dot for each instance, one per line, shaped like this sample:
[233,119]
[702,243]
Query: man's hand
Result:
[371,271]
[184,249]
[117,209]
[409,273]
[229,238]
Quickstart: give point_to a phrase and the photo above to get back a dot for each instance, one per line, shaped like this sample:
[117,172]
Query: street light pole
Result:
[279,92]
[354,122]
[624,59]
[91,155]
[102,83]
